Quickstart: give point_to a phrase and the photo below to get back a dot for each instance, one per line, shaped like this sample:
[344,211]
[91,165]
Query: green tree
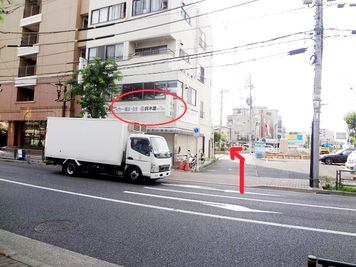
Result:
[97,87]
[2,11]
[350,120]
[219,139]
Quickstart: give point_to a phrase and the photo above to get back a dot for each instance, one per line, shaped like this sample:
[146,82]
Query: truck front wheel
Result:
[134,174]
[70,168]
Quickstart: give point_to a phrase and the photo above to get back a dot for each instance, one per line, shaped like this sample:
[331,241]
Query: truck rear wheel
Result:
[70,168]
[134,174]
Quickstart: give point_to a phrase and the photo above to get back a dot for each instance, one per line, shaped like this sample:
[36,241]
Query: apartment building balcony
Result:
[25,81]
[32,15]
[151,49]
[29,38]
[28,51]
[28,70]
[26,76]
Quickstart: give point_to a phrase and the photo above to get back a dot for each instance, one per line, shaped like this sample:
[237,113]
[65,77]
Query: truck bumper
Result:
[159,175]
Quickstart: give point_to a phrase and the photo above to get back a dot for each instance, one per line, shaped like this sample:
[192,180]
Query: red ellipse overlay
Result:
[142,91]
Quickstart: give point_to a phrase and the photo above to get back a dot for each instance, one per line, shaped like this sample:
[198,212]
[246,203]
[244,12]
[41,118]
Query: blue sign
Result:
[196,132]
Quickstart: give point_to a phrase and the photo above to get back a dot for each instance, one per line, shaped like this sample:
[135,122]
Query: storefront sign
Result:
[139,108]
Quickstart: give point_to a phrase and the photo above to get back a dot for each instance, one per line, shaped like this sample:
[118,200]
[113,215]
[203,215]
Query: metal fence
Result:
[314,262]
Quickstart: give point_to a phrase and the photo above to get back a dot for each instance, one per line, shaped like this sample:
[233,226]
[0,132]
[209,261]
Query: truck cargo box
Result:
[90,140]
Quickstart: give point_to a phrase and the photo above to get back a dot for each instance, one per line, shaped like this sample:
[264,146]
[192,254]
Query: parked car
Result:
[351,161]
[270,149]
[338,157]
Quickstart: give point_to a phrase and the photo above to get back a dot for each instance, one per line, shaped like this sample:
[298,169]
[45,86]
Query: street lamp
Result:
[59,86]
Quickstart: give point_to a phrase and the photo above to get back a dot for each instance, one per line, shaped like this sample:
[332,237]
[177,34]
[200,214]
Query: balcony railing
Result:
[153,51]
[32,10]
[28,70]
[29,39]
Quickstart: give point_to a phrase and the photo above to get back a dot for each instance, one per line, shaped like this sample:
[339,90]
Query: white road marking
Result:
[236,219]
[216,189]
[209,203]
[229,169]
[253,199]
[211,170]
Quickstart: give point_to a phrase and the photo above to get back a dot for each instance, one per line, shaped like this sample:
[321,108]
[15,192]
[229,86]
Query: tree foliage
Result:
[219,137]
[97,87]
[2,12]
[350,120]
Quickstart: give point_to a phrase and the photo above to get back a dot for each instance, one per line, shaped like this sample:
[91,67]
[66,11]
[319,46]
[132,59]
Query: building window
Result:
[185,16]
[25,93]
[140,7]
[84,19]
[202,39]
[95,17]
[202,75]
[104,52]
[170,86]
[192,96]
[184,55]
[82,52]
[117,11]
[201,109]
[108,13]
[151,50]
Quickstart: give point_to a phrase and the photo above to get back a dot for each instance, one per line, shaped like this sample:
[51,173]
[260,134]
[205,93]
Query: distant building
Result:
[266,124]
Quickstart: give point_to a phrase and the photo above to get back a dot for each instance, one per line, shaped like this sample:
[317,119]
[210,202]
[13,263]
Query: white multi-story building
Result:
[159,44]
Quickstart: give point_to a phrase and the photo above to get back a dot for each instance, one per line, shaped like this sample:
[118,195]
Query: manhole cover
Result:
[55,226]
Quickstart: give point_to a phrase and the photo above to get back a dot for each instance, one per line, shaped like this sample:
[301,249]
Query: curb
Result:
[21,259]
[22,161]
[36,253]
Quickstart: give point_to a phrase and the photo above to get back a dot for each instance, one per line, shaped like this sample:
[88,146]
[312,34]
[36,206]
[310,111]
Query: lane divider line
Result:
[209,203]
[252,199]
[236,219]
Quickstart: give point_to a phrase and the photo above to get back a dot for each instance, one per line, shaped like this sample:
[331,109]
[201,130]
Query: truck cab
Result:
[147,157]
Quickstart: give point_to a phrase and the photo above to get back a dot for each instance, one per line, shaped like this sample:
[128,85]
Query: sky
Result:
[281,81]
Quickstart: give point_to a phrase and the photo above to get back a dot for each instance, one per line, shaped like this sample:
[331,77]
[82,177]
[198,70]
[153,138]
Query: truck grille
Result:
[163,168]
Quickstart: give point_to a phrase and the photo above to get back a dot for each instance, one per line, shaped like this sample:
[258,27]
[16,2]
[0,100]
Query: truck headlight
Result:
[154,168]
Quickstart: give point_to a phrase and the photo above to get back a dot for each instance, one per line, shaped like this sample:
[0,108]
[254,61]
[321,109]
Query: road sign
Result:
[196,132]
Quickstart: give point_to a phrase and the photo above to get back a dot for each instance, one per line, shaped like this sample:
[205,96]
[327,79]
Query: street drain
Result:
[55,226]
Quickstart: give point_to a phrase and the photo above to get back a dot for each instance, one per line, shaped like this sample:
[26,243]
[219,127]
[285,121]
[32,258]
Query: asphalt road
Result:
[174,224]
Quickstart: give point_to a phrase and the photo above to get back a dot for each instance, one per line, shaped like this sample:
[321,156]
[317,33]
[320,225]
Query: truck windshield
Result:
[160,147]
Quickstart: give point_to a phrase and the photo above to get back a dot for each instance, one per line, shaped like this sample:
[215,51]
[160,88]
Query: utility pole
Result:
[222,92]
[319,36]
[249,103]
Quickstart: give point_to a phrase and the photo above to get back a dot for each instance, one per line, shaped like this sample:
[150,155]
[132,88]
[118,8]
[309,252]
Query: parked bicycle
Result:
[192,159]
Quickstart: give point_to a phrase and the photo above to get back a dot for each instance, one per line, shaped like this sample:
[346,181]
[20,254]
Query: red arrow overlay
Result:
[234,153]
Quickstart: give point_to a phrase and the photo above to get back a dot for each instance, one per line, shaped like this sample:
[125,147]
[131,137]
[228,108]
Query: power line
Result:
[203,54]
[145,28]
[286,53]
[113,23]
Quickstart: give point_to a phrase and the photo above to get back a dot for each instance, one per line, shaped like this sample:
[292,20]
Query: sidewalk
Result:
[20,251]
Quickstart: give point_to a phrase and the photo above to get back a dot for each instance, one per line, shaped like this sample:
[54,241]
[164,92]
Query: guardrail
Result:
[313,261]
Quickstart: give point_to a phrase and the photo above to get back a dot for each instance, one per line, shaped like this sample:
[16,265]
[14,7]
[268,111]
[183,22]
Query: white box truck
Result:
[105,145]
